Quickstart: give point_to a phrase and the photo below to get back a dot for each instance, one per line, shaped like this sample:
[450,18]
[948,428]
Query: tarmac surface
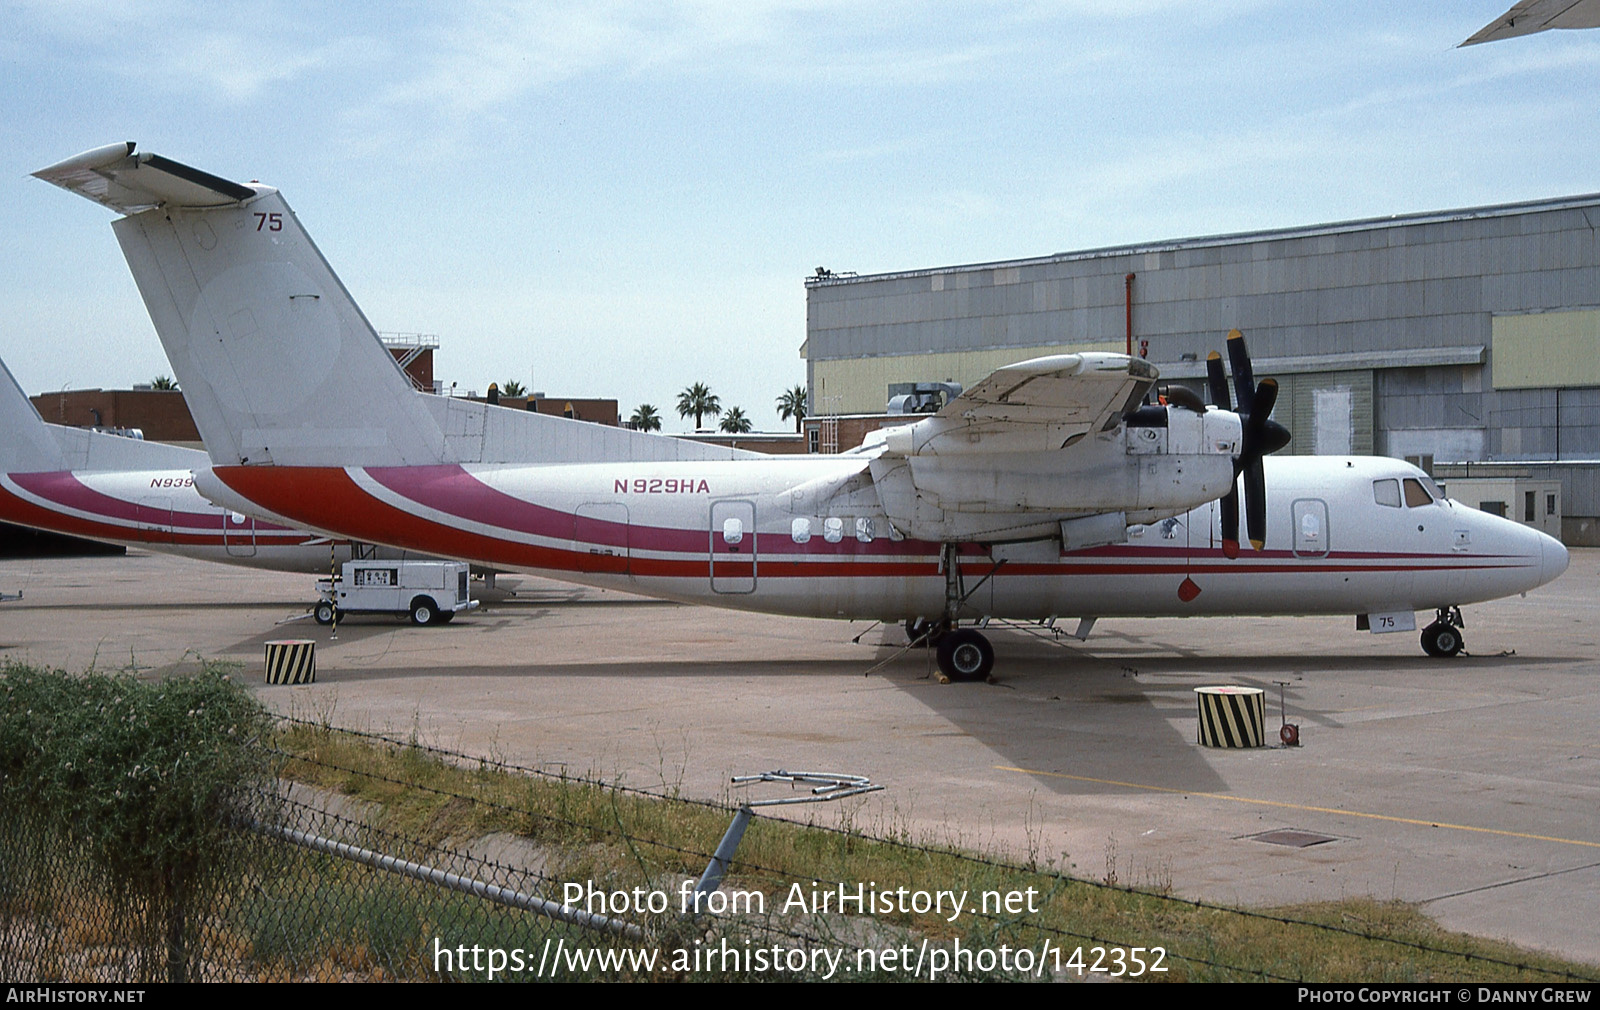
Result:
[1470,786]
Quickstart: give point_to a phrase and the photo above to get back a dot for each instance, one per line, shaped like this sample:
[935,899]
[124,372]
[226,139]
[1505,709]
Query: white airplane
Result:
[1045,491]
[113,489]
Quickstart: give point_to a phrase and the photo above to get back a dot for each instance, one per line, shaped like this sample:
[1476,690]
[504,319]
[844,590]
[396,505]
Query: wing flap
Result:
[128,183]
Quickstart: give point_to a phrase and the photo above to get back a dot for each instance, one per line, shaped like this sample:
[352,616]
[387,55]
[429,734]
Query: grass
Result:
[587,831]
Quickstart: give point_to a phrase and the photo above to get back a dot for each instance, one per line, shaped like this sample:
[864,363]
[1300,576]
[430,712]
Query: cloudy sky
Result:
[621,199]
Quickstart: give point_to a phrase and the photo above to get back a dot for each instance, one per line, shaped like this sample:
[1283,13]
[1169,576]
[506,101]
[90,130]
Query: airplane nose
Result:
[1553,559]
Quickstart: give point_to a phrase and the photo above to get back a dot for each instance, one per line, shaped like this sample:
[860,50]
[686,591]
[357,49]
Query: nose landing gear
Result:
[1442,639]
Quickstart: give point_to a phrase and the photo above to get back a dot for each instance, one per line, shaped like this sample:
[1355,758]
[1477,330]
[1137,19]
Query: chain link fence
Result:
[175,832]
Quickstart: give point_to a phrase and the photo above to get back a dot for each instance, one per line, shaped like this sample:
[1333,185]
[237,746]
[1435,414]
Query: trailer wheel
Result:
[423,611]
[323,613]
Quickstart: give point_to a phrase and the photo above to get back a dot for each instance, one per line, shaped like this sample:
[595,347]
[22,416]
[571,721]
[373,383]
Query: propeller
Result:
[1261,436]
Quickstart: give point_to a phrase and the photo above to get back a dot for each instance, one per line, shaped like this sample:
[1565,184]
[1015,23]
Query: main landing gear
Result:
[963,653]
[1442,639]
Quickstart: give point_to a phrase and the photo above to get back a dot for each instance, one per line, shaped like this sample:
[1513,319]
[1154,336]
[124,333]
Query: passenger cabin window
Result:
[1416,494]
[1310,530]
[1386,492]
[800,530]
[833,529]
[732,530]
[864,530]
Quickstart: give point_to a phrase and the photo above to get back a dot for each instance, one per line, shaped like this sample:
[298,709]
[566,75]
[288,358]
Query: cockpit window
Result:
[1416,494]
[1433,488]
[1386,492]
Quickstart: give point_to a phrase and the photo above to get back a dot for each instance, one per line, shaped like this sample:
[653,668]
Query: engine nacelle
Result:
[1160,461]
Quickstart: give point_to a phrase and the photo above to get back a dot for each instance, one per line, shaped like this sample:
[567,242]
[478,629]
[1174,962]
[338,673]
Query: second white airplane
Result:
[1045,491]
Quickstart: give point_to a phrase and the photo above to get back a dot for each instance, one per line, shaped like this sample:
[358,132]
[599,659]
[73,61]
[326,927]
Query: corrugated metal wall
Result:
[1376,290]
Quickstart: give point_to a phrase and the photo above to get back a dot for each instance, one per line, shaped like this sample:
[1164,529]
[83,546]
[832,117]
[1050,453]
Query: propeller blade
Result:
[1255,422]
[1217,382]
[1261,434]
[1266,399]
[1255,502]
[1230,523]
[1244,378]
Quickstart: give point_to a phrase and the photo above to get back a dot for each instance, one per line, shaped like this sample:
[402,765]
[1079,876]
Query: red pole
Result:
[1127,298]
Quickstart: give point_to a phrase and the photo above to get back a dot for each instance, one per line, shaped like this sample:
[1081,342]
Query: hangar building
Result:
[1456,337]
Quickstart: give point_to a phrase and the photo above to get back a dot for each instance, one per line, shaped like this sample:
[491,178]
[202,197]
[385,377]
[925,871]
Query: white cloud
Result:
[204,51]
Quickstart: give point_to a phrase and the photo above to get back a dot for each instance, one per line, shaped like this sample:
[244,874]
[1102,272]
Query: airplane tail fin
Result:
[26,445]
[265,342]
[277,362]
[30,444]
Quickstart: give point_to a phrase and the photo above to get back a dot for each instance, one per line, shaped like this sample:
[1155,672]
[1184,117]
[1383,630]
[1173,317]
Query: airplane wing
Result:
[1038,405]
[128,183]
[1530,16]
[1080,392]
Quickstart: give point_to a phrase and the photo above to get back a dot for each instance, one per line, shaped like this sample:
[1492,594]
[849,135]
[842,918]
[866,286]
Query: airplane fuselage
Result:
[760,536]
[159,510]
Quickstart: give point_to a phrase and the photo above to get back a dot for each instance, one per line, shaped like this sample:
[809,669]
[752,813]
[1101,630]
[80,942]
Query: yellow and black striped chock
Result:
[292,661]
[1232,716]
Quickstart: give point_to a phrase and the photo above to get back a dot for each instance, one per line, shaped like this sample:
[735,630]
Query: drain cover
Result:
[1291,837]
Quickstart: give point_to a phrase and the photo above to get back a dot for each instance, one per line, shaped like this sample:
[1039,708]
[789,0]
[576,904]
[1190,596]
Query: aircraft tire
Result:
[964,654]
[423,611]
[1441,640]
[323,613]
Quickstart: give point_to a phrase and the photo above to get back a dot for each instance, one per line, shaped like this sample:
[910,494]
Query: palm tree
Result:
[511,387]
[698,401]
[164,382]
[734,422]
[645,418]
[792,403]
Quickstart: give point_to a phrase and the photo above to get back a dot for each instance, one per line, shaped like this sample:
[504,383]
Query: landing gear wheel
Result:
[422,611]
[322,613]
[964,654]
[1441,640]
[921,631]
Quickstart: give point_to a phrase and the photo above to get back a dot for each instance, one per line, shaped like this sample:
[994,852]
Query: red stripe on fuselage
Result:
[327,497]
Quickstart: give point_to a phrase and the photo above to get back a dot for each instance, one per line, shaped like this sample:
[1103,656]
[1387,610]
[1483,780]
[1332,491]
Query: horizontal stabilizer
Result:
[1530,16]
[127,182]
